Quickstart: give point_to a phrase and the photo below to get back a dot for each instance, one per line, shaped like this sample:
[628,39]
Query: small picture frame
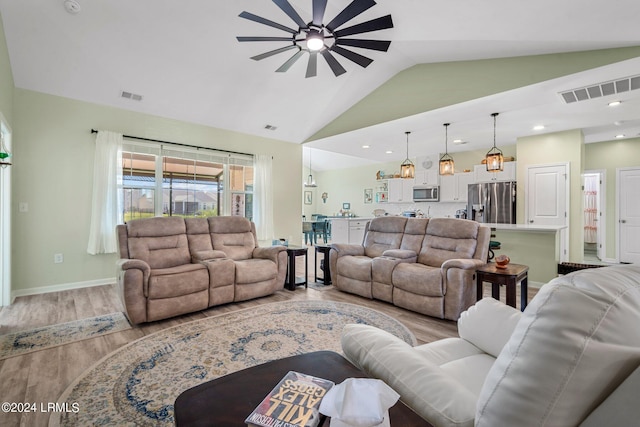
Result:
[368,195]
[346,206]
[308,197]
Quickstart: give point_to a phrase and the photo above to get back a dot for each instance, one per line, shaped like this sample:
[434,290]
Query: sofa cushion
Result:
[233,236]
[418,279]
[176,281]
[577,341]
[355,267]
[255,270]
[160,242]
[384,233]
[198,235]
[414,233]
[448,238]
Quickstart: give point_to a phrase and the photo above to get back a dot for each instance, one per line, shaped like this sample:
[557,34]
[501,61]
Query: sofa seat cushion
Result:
[446,239]
[355,267]
[418,279]
[175,281]
[255,270]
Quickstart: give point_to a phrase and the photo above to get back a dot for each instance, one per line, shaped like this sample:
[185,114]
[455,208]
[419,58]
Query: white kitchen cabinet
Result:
[401,190]
[426,177]
[453,188]
[508,174]
[348,230]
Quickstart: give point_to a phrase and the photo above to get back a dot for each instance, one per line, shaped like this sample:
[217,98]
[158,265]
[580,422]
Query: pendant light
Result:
[310,183]
[407,169]
[494,157]
[446,161]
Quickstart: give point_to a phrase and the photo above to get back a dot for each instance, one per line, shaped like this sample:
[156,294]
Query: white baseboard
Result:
[61,287]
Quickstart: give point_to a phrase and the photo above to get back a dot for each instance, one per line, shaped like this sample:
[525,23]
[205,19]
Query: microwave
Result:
[425,193]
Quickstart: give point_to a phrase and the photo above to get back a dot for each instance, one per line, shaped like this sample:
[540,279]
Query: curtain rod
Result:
[180,144]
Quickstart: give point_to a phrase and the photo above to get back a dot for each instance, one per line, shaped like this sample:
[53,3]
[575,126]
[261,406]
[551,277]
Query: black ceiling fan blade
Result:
[381,45]
[261,20]
[362,61]
[312,65]
[264,39]
[355,8]
[381,23]
[285,67]
[273,52]
[333,63]
[291,12]
[319,6]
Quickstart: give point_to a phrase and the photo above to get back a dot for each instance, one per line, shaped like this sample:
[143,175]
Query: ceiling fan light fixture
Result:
[407,168]
[446,164]
[494,158]
[315,41]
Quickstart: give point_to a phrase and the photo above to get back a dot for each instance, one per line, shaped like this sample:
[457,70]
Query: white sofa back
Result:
[574,344]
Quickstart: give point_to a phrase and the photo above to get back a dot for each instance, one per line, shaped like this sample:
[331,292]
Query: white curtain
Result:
[263,197]
[105,204]
[590,208]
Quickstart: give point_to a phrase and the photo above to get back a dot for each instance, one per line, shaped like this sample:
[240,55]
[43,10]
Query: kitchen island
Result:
[538,246]
[348,230]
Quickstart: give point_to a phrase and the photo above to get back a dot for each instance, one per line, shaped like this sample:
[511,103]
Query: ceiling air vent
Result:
[131,96]
[270,127]
[601,89]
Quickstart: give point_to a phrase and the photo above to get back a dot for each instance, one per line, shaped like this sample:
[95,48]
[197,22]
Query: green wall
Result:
[53,170]
[427,87]
[6,79]
[609,156]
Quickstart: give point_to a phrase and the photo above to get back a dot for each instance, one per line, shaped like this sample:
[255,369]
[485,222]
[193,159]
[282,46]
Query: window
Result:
[159,181]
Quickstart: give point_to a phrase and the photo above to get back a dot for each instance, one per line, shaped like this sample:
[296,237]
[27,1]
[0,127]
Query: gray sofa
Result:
[171,265]
[424,265]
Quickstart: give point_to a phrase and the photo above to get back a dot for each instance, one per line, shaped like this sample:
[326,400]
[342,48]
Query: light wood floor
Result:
[42,376]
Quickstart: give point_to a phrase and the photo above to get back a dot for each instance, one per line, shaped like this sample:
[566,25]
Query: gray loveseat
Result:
[170,265]
[424,265]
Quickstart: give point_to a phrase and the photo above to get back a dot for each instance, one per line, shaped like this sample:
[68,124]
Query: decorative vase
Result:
[502,261]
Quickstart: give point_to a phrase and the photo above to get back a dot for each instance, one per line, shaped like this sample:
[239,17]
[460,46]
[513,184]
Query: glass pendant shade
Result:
[407,169]
[446,161]
[310,183]
[494,158]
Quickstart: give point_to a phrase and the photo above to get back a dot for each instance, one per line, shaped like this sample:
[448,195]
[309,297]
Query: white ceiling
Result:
[183,58]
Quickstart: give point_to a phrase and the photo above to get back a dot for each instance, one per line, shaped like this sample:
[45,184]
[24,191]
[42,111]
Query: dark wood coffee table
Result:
[228,400]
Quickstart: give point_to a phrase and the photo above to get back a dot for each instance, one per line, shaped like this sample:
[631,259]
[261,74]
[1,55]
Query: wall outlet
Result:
[58,258]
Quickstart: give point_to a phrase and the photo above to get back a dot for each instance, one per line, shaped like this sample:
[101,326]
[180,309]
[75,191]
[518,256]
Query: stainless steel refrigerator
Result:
[492,202]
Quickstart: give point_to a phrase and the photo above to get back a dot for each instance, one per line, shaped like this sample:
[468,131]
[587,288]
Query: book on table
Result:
[293,402]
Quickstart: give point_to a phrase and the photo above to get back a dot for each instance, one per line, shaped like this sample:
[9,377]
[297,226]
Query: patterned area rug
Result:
[22,342]
[138,383]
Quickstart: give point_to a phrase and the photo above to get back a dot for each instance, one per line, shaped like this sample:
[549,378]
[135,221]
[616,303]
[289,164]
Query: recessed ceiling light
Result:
[538,127]
[366,146]
[621,135]
[614,103]
[388,152]
[459,141]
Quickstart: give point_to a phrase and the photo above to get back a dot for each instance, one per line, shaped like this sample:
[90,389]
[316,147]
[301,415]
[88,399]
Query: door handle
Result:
[623,221]
[531,221]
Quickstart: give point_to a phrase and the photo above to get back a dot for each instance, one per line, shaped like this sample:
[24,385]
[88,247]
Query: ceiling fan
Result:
[317,38]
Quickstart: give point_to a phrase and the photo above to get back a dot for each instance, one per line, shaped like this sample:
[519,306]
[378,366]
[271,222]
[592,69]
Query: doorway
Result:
[628,225]
[593,204]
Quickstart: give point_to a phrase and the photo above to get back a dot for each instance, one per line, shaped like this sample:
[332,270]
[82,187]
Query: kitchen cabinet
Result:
[508,174]
[453,188]
[348,230]
[400,190]
[426,177]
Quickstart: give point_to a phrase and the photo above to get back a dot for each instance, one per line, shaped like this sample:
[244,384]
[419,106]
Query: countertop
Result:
[527,227]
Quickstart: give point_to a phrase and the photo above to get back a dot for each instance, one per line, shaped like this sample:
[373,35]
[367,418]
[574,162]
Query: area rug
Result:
[138,383]
[22,342]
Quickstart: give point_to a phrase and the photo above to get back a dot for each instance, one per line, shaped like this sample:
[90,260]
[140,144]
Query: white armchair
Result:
[571,358]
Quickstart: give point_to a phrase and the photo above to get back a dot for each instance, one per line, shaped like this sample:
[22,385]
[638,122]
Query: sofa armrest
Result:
[202,256]
[488,325]
[345,249]
[128,264]
[400,254]
[423,386]
[269,252]
[462,263]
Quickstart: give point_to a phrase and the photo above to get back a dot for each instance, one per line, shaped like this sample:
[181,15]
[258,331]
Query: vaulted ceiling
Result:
[184,60]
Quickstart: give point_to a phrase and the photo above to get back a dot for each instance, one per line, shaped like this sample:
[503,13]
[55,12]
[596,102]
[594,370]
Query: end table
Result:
[292,281]
[509,276]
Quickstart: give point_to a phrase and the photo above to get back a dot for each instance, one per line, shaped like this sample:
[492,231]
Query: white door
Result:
[546,199]
[629,215]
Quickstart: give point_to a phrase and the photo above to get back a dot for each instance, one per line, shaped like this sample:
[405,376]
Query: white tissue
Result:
[359,402]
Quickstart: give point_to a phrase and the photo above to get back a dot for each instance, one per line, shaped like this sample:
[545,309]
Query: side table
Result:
[509,276]
[292,281]
[326,272]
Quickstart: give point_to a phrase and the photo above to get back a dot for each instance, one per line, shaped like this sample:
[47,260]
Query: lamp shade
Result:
[407,169]
[446,161]
[494,158]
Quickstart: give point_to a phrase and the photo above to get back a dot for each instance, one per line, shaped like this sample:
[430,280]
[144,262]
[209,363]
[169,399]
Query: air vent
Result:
[270,127]
[601,89]
[131,96]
